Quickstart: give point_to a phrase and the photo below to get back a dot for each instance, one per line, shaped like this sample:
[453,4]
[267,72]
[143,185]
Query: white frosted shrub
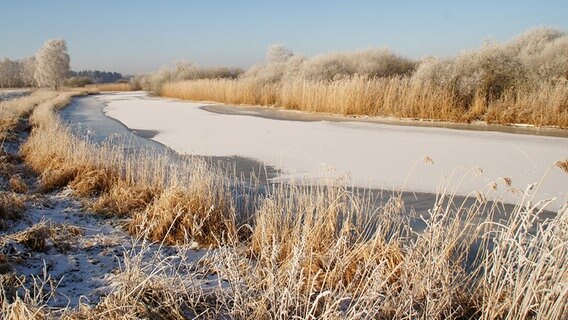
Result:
[371,63]
[550,62]
[266,72]
[275,71]
[533,41]
[380,63]
[281,64]
[278,53]
[488,72]
[534,57]
[331,66]
[184,70]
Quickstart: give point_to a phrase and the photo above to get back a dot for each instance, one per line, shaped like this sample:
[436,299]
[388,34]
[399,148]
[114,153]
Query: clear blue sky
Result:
[139,36]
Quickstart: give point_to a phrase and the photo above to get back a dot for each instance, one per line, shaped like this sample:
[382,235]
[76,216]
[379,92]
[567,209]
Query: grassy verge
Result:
[159,196]
[300,252]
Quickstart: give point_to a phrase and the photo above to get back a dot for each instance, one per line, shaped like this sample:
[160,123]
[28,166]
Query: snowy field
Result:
[372,155]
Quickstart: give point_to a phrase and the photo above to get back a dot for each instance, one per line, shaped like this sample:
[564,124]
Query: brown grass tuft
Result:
[123,199]
[562,164]
[11,207]
[20,310]
[88,182]
[181,215]
[42,235]
[17,184]
[57,177]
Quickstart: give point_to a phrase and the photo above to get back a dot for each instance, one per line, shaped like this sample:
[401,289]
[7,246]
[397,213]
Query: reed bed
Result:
[143,185]
[400,97]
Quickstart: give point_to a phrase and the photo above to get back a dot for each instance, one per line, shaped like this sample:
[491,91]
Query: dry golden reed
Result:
[398,97]
[17,184]
[562,164]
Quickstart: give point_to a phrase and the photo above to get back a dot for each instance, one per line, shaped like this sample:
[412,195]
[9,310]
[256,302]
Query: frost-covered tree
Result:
[52,64]
[278,53]
[9,73]
[28,72]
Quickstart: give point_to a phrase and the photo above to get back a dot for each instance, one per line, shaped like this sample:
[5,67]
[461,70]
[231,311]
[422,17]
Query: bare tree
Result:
[52,64]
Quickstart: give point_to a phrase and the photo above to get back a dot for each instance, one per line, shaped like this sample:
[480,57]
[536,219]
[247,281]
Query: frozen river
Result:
[374,155]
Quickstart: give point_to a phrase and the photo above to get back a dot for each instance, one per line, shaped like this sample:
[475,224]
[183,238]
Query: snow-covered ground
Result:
[9,94]
[81,266]
[373,155]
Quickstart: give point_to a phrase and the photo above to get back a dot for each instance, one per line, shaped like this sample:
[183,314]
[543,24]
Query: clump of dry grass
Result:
[20,310]
[90,181]
[524,274]
[22,298]
[11,207]
[44,234]
[13,112]
[8,166]
[323,252]
[17,184]
[201,211]
[124,199]
[562,164]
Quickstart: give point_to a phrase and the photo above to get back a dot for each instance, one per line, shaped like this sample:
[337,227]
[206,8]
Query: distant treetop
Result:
[97,76]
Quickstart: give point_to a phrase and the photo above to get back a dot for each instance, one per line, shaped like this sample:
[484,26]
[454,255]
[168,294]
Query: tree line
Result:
[49,67]
[96,76]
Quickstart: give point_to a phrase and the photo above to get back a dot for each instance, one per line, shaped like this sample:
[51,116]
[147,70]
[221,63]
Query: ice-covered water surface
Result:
[373,155]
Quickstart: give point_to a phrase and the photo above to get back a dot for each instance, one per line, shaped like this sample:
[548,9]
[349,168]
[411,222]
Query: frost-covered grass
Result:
[524,81]
[298,252]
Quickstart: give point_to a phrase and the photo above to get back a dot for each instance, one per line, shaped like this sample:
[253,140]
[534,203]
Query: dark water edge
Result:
[291,115]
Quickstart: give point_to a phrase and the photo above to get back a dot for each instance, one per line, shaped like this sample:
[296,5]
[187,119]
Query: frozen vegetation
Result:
[524,80]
